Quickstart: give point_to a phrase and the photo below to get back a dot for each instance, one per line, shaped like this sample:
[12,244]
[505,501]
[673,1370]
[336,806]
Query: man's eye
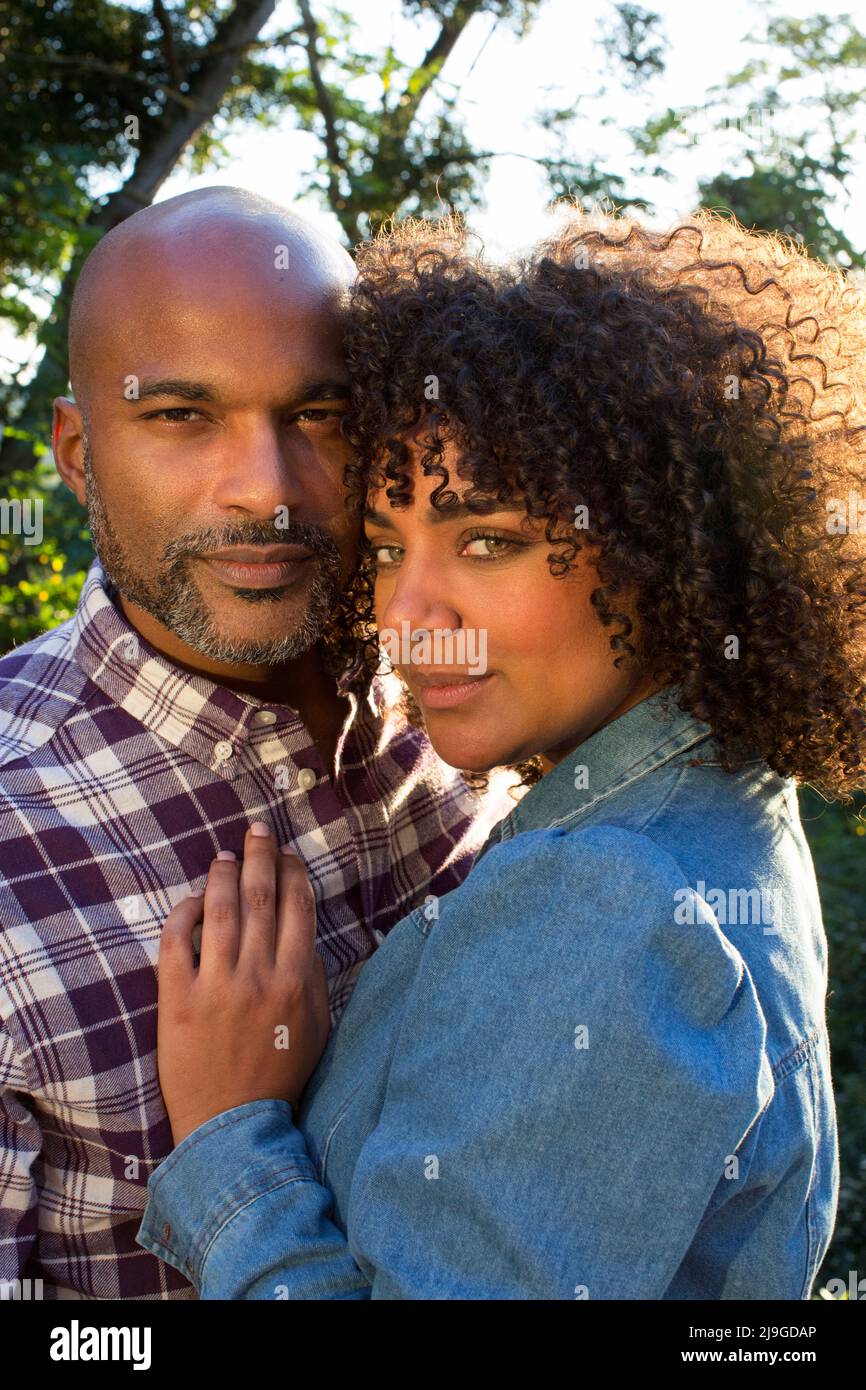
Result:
[487,547]
[177,415]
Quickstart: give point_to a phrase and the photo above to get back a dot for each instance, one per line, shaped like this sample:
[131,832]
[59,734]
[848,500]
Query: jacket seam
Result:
[243,1206]
[414,917]
[625,782]
[798,1054]
[811,1232]
[322,1164]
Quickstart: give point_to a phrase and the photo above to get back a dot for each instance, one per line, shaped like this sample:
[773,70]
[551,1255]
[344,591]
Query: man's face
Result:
[213,459]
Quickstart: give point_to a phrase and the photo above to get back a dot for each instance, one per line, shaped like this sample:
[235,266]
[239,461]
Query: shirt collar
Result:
[182,708]
[648,735]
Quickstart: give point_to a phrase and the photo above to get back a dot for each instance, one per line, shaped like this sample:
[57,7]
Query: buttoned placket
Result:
[309,778]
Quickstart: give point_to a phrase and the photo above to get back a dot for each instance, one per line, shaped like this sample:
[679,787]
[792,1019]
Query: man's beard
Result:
[173,599]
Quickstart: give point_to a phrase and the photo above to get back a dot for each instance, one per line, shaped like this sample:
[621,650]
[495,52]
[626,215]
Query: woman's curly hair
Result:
[701,393]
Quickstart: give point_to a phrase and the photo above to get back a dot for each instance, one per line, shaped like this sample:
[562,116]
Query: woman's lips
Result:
[249,573]
[444,692]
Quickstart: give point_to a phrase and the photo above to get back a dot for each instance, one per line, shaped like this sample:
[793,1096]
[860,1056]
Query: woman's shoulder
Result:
[599,865]
[568,941]
[601,902]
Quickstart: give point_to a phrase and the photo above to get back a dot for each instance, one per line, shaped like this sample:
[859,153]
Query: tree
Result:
[155,84]
[141,106]
[799,111]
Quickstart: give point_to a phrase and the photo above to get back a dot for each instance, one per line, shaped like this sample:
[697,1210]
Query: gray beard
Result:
[173,599]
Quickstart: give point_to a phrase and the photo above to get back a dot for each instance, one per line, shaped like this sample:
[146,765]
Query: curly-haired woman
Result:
[627,471]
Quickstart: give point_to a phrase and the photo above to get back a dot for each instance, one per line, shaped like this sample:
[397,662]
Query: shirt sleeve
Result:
[20,1145]
[578,1060]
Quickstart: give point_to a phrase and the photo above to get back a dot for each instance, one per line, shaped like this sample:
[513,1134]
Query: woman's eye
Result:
[317,413]
[486,547]
[385,555]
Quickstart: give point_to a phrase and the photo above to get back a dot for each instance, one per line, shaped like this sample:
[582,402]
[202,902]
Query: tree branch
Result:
[163,19]
[87,63]
[326,107]
[396,123]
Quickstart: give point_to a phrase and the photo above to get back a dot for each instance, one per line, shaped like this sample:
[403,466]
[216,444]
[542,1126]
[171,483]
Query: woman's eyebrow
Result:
[459,512]
[378,518]
[324,389]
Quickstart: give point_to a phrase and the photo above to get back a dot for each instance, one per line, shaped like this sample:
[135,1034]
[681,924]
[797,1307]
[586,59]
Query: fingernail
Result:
[197,893]
[258,827]
[287,849]
[227,854]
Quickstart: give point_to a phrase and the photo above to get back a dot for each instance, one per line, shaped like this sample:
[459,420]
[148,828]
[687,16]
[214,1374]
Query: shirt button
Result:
[379,935]
[223,751]
[264,716]
[307,779]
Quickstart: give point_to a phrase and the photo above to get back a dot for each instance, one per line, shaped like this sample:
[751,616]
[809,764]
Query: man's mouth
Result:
[258,566]
[445,690]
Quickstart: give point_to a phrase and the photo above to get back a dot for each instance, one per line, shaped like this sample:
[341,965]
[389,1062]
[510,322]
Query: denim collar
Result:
[644,738]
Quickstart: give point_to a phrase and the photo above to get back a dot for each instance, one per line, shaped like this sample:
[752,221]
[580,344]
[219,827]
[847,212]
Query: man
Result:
[191,695]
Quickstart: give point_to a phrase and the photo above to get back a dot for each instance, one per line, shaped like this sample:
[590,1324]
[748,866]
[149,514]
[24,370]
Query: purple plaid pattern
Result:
[121,776]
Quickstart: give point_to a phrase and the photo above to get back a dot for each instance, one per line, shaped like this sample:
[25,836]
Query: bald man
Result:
[197,689]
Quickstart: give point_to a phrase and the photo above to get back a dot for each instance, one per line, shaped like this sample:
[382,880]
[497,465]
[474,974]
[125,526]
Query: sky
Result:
[503,82]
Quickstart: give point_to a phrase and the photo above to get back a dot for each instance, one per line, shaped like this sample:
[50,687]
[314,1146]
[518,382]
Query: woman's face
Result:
[515,662]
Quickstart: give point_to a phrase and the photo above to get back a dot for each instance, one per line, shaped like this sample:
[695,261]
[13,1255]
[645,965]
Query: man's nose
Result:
[260,473]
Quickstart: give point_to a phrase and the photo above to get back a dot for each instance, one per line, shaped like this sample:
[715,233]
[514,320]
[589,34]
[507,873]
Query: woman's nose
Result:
[418,602]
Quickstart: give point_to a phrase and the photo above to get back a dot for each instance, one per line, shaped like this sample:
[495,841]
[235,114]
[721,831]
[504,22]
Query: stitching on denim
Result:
[321,1166]
[415,915]
[811,1220]
[652,815]
[793,1060]
[628,781]
[253,1198]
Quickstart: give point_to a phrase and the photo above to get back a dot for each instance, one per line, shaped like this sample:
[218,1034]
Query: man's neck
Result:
[302,683]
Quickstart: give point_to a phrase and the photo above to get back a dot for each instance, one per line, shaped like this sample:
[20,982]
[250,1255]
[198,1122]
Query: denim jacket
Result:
[598,1069]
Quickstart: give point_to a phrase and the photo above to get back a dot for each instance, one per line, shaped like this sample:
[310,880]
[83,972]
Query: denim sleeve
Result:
[237,1208]
[574,1070]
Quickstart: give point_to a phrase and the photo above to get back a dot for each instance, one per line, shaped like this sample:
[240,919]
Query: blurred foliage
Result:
[796,114]
[40,584]
[837,839]
[76,77]
[786,196]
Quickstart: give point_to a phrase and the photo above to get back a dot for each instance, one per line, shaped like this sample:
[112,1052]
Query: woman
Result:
[599,1068]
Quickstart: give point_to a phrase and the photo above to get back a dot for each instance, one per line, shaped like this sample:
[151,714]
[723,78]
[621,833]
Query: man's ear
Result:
[67,436]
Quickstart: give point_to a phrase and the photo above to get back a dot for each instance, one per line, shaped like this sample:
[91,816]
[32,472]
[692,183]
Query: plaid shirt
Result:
[121,776]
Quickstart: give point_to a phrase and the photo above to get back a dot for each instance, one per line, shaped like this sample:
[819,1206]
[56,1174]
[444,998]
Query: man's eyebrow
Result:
[318,389]
[174,386]
[459,512]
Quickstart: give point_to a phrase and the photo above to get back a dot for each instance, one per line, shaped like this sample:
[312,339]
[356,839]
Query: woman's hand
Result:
[251,1022]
